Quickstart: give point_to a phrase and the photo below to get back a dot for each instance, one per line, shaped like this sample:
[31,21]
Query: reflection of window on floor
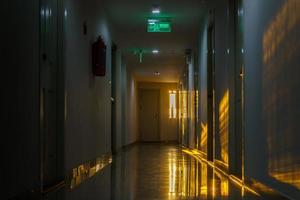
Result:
[172,105]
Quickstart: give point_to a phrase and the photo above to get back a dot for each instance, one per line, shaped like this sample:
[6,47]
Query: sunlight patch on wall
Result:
[183,104]
[197,105]
[286,20]
[204,182]
[222,189]
[183,114]
[203,143]
[223,126]
[280,83]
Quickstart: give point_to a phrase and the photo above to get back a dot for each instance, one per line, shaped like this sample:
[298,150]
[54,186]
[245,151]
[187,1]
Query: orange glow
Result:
[183,104]
[197,105]
[88,170]
[203,143]
[203,180]
[172,173]
[225,184]
[289,176]
[183,114]
[280,47]
[183,179]
[223,126]
[224,187]
[287,18]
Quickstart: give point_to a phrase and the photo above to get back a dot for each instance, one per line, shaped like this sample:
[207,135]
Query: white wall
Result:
[88,129]
[131,134]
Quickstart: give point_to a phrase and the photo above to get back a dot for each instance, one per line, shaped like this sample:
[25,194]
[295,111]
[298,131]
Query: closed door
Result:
[149,115]
[52,94]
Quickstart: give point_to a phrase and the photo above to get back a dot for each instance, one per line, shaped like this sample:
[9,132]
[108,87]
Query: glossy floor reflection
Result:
[156,172]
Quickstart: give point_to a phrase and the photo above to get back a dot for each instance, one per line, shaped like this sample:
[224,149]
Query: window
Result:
[172,104]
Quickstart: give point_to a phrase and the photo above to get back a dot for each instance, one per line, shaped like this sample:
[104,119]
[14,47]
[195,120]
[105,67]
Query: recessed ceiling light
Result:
[155,11]
[156,73]
[155,51]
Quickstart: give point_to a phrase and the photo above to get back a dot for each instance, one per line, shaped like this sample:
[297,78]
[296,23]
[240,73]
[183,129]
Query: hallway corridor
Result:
[150,99]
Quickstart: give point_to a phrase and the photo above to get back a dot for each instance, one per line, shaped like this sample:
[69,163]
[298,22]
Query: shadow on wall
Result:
[280,83]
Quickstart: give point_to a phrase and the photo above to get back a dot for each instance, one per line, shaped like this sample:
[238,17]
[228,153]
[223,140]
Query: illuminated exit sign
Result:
[158,26]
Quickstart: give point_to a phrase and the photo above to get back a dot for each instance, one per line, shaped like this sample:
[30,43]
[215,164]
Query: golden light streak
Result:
[183,104]
[183,114]
[203,143]
[224,186]
[172,173]
[204,183]
[232,178]
[88,170]
[223,126]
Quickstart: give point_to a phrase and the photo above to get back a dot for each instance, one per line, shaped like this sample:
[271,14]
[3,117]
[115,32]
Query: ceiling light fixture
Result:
[155,51]
[155,10]
[156,73]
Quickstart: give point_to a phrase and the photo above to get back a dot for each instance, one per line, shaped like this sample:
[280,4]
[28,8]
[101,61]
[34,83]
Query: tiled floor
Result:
[156,172]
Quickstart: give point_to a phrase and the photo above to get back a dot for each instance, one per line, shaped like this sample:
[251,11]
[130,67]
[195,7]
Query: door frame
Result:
[239,93]
[113,98]
[236,100]
[45,79]
[211,96]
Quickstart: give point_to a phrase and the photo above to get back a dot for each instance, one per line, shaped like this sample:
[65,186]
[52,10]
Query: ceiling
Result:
[129,24]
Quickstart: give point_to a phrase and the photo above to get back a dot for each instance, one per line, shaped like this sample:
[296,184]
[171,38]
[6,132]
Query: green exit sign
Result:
[158,26]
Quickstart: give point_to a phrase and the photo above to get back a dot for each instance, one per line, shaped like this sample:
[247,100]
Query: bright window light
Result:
[172,105]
